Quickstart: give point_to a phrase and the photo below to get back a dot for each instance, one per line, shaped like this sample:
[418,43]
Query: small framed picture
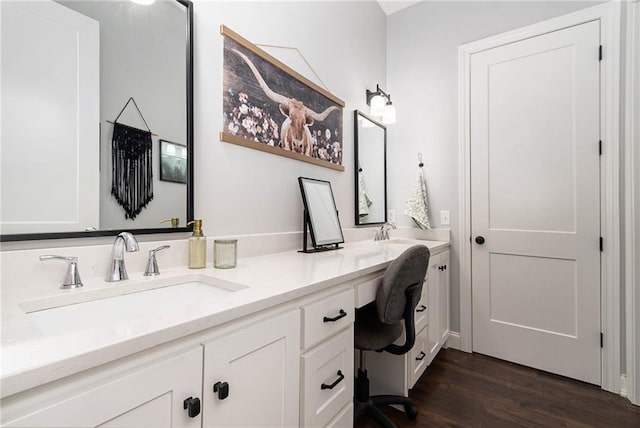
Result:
[173,162]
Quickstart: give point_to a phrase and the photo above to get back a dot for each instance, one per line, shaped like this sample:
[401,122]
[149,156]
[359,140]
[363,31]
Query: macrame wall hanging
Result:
[132,175]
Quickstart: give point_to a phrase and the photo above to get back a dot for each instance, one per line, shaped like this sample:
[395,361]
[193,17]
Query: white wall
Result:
[240,190]
[422,76]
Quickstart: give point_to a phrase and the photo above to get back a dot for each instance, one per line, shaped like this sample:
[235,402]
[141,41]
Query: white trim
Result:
[453,341]
[632,180]
[609,16]
[624,392]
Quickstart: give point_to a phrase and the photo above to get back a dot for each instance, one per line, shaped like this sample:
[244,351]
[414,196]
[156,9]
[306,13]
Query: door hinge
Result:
[601,244]
[602,340]
[600,147]
[600,53]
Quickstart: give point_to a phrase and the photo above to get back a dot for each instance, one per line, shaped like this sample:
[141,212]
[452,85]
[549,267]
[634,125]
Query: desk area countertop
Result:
[37,349]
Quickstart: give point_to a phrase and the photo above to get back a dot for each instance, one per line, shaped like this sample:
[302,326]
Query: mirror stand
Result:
[305,232]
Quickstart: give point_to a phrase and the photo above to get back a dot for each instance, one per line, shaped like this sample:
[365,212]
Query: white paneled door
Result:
[50,86]
[535,202]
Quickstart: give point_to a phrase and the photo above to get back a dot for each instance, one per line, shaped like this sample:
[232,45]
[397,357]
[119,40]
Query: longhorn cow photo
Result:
[264,104]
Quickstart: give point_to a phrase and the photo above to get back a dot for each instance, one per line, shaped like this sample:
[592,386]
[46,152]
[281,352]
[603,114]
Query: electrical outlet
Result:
[391,216]
[445,218]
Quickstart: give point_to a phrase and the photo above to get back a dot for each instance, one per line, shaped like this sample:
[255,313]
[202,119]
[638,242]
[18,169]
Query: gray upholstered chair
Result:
[379,324]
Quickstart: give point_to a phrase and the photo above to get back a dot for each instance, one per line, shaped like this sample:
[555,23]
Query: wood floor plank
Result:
[473,390]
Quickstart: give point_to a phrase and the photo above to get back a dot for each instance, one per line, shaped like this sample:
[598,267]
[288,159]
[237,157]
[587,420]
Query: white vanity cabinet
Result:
[437,284]
[256,364]
[396,374]
[152,394]
[251,375]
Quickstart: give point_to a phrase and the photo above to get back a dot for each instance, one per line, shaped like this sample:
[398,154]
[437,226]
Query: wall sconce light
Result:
[380,105]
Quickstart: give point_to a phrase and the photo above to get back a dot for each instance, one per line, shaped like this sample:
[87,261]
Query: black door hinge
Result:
[601,244]
[602,340]
[600,147]
[600,53]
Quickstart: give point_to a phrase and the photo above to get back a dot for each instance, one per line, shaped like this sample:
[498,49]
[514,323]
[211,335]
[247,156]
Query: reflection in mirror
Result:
[69,68]
[370,170]
[321,213]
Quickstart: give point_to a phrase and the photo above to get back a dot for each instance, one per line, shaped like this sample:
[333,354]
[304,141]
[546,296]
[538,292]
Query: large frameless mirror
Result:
[320,214]
[370,170]
[73,73]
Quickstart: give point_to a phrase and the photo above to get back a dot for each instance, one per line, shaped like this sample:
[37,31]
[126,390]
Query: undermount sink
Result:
[128,305]
[183,289]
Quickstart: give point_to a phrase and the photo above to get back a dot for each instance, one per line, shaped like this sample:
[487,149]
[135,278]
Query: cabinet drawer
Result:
[418,357]
[421,314]
[327,384]
[367,288]
[344,418]
[326,317]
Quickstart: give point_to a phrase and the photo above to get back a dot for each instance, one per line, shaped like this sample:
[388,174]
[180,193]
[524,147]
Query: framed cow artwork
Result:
[270,107]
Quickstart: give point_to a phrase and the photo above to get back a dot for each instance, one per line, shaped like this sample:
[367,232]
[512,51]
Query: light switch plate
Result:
[391,216]
[445,218]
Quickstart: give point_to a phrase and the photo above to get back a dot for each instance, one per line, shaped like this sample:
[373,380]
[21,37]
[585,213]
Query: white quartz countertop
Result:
[43,346]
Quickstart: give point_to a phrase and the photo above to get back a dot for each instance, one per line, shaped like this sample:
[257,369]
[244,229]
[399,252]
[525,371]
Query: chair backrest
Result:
[409,269]
[400,292]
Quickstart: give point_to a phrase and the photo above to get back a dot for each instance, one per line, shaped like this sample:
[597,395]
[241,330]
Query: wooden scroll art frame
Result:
[269,107]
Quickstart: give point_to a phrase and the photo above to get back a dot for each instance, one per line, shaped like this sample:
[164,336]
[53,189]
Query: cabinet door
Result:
[433,303]
[257,371]
[444,295]
[150,397]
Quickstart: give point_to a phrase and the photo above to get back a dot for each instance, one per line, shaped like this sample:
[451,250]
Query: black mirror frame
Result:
[190,152]
[356,167]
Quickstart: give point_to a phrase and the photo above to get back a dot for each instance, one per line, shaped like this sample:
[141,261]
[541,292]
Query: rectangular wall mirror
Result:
[321,212]
[370,170]
[68,69]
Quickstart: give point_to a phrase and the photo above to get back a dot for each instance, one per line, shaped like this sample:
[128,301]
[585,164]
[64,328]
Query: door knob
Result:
[479,240]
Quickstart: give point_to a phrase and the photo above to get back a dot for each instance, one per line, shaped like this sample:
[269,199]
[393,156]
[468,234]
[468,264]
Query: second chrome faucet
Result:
[117,270]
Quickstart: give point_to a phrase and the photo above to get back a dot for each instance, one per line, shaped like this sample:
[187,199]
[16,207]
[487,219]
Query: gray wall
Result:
[422,77]
[243,191]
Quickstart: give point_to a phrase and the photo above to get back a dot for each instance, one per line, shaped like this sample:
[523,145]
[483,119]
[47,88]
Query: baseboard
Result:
[453,341]
[623,385]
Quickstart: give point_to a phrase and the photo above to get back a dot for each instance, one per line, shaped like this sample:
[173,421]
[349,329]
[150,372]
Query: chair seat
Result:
[370,333]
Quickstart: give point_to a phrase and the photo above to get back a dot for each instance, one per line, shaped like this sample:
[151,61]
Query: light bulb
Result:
[144,2]
[377,106]
[389,115]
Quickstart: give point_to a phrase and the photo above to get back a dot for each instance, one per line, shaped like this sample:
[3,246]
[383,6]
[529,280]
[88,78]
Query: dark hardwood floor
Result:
[472,390]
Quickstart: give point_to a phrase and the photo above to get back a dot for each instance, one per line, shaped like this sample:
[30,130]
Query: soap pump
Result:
[197,246]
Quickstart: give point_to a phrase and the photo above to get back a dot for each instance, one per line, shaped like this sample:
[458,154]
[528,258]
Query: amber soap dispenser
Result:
[197,246]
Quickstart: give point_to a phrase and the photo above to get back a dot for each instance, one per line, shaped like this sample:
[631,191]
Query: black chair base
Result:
[366,405]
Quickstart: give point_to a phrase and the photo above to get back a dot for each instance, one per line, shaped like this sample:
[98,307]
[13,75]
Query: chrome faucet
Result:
[117,270]
[383,233]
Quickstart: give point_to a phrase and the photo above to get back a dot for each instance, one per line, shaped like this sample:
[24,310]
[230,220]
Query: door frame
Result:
[609,15]
[632,187]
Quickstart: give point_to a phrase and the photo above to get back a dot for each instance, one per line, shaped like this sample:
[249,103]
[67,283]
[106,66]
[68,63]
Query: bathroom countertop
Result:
[41,346]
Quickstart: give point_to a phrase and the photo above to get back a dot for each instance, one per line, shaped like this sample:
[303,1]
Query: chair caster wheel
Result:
[411,411]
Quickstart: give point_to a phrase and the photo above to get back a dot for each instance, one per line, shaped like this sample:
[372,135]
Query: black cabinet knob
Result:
[479,240]
[222,388]
[192,406]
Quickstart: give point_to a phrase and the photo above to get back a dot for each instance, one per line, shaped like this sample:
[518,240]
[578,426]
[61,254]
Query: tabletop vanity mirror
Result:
[69,68]
[370,170]
[320,215]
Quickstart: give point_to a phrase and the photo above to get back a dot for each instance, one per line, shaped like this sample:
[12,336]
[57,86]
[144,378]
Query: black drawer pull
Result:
[421,357]
[222,388]
[192,406]
[333,385]
[336,318]
[421,308]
